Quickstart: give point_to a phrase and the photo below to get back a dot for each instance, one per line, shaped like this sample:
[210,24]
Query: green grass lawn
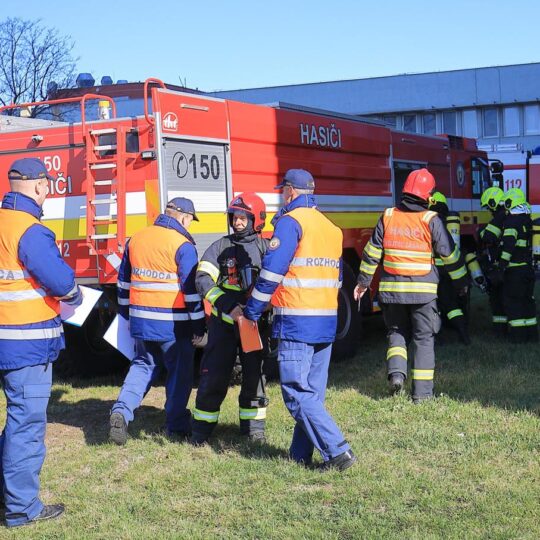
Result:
[463,466]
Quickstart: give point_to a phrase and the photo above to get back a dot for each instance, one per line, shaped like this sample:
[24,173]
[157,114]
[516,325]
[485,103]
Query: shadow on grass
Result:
[490,371]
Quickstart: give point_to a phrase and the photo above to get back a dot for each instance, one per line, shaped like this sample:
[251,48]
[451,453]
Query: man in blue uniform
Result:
[156,291]
[33,280]
[301,274]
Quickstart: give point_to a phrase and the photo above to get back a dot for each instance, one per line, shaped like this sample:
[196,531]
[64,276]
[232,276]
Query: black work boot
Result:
[257,437]
[118,432]
[396,383]
[50,511]
[198,439]
[340,463]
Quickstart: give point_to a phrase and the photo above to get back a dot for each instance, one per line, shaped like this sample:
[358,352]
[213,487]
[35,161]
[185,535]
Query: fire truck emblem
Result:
[170,122]
[460,174]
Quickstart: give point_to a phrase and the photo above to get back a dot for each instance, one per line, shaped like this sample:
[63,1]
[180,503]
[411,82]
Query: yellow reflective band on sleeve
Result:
[423,374]
[373,251]
[452,258]
[517,323]
[492,229]
[210,269]
[224,316]
[438,262]
[505,256]
[510,232]
[407,287]
[396,351]
[521,243]
[206,416]
[454,313]
[253,414]
[368,268]
[231,287]
[513,265]
[531,322]
[213,294]
[459,273]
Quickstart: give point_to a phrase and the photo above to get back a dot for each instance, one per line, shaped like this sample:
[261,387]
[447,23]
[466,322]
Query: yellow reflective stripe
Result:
[231,287]
[438,262]
[423,374]
[459,273]
[499,319]
[510,232]
[521,243]
[493,229]
[396,351]
[224,316]
[531,322]
[505,256]
[206,416]
[253,414]
[513,265]
[405,253]
[407,266]
[454,313]
[373,251]
[407,287]
[210,269]
[517,322]
[368,268]
[452,258]
[213,294]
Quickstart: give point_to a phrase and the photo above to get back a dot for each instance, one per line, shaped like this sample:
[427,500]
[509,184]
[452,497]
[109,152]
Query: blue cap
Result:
[183,205]
[28,169]
[297,178]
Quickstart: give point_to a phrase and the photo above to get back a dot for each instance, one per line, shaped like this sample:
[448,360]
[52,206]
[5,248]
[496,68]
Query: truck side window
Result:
[480,177]
[132,141]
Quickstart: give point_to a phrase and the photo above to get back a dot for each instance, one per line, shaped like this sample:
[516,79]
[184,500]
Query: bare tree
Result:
[32,58]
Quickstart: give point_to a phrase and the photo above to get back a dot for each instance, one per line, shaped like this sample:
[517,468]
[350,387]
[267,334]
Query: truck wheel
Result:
[349,320]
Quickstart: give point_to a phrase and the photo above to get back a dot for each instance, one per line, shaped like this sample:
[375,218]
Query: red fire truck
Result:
[112,176]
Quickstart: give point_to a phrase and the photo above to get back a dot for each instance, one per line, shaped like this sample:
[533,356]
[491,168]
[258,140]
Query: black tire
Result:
[349,327]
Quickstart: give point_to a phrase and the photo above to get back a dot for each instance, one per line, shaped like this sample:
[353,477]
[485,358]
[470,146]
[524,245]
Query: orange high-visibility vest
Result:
[407,242]
[310,286]
[154,272]
[22,300]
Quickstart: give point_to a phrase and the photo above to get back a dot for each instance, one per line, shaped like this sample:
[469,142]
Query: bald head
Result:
[35,189]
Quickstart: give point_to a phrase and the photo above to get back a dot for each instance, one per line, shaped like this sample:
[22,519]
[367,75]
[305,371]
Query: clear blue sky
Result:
[221,45]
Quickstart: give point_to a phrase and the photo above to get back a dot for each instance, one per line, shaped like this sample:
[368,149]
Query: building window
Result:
[532,119]
[491,122]
[470,124]
[429,124]
[391,120]
[449,123]
[409,123]
[511,121]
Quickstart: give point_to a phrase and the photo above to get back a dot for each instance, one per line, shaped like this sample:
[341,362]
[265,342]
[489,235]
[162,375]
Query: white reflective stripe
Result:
[407,266]
[158,315]
[271,276]
[406,253]
[306,312]
[30,333]
[156,286]
[13,274]
[192,298]
[123,301]
[253,414]
[428,216]
[124,285]
[312,283]
[262,297]
[196,315]
[16,296]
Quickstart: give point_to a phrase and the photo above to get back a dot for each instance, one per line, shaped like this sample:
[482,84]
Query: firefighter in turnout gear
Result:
[517,265]
[301,275]
[451,305]
[156,292]
[225,276]
[405,241]
[491,236]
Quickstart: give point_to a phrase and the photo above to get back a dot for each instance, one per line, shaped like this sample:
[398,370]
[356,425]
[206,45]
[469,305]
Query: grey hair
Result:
[304,191]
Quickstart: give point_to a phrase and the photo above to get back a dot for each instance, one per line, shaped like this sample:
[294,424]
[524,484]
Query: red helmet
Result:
[251,204]
[420,183]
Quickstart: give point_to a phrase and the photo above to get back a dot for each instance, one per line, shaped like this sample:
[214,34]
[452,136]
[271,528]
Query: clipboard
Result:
[249,335]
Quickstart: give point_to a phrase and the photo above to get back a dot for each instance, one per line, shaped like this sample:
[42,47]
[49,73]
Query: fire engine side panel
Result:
[63,152]
[349,160]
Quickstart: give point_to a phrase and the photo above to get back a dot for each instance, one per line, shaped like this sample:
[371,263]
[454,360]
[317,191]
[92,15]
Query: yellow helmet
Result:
[492,197]
[514,197]
[437,197]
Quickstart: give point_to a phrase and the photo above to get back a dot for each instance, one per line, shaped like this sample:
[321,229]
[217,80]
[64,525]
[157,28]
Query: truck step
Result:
[103,165]
[104,182]
[103,236]
[105,147]
[105,218]
[104,131]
